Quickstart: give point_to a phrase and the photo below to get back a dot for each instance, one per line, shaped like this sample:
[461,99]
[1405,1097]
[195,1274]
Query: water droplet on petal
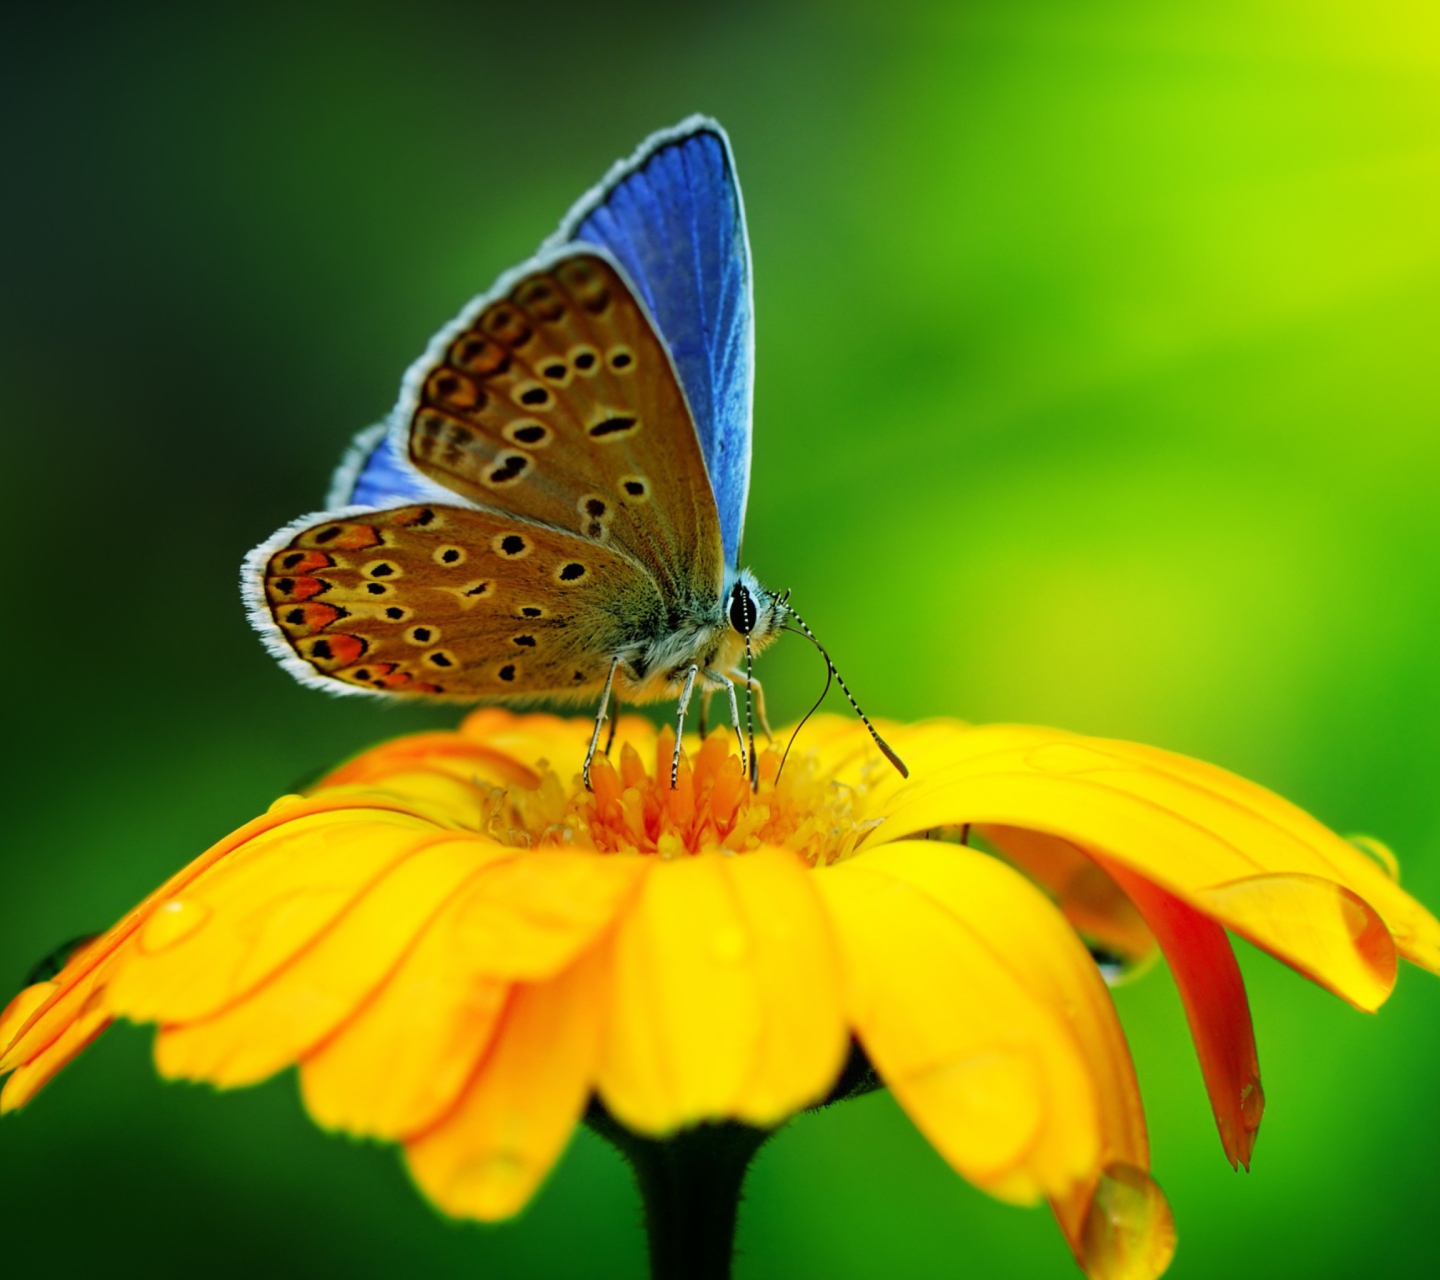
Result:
[492,1186]
[1129,1233]
[172,923]
[1379,853]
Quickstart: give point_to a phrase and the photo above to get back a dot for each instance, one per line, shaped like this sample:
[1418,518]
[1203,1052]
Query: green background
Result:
[1098,386]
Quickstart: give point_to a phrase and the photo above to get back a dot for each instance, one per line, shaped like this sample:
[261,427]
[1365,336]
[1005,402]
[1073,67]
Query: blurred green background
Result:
[1098,386]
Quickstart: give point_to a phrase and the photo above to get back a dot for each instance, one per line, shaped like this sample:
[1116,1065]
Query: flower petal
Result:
[400,1061]
[1213,993]
[302,1002]
[1086,894]
[74,986]
[1199,832]
[707,1019]
[969,1031]
[234,927]
[31,1076]
[486,1157]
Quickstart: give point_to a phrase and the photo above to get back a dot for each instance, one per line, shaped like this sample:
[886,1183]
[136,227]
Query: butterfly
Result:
[554,507]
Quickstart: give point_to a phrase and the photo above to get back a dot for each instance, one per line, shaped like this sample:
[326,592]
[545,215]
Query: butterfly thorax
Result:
[708,635]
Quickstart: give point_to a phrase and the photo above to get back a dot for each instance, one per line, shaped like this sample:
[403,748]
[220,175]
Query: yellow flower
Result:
[459,949]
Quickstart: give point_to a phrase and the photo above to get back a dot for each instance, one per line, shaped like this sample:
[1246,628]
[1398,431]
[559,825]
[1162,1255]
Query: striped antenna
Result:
[880,742]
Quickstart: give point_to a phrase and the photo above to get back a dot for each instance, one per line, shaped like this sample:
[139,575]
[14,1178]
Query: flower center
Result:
[711,807]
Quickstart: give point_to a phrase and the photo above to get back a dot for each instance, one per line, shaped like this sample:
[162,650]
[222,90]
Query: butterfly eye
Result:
[743,613]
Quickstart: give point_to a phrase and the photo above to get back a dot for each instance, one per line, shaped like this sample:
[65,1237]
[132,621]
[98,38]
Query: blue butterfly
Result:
[554,507]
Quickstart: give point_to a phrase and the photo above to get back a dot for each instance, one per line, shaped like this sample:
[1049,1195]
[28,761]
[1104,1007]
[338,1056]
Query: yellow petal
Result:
[526,919]
[233,928]
[1190,828]
[708,1018]
[307,998]
[27,1079]
[403,1057]
[486,1157]
[21,1009]
[988,1069]
[1087,896]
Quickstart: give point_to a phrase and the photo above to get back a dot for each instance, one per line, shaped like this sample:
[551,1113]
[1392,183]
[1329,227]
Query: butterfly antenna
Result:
[750,715]
[829,679]
[880,742]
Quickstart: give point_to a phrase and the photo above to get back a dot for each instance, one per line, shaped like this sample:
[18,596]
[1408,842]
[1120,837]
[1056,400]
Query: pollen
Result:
[633,809]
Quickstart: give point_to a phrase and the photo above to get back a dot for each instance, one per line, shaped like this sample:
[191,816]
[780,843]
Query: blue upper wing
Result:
[374,473]
[672,216]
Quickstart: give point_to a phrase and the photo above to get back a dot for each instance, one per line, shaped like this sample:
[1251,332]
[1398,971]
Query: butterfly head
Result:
[754,614]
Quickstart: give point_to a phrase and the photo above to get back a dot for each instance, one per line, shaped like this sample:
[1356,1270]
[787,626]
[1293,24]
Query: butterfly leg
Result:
[599,720]
[714,677]
[614,722]
[684,705]
[759,691]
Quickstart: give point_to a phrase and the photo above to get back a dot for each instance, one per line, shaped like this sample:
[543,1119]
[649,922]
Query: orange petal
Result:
[1213,993]
[1087,896]
[486,1157]
[966,1018]
[726,1001]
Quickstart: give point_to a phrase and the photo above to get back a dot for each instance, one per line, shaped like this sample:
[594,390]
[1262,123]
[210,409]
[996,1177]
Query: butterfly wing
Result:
[553,399]
[374,473]
[672,217]
[444,601]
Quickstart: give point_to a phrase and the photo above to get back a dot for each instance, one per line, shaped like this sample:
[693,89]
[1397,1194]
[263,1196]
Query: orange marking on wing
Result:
[291,562]
[342,537]
[286,590]
[305,619]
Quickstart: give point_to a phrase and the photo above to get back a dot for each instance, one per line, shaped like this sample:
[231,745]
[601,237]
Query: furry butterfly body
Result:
[554,508]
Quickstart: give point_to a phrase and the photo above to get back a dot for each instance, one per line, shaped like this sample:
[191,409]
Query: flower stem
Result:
[690,1185]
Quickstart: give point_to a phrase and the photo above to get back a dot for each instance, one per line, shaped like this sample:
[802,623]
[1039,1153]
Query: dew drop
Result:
[1129,1233]
[172,923]
[492,1186]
